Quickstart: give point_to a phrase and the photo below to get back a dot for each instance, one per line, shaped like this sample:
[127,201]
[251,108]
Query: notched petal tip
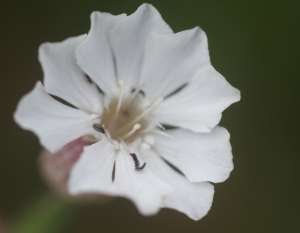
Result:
[19,112]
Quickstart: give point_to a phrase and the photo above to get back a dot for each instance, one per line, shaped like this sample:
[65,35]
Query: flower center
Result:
[126,119]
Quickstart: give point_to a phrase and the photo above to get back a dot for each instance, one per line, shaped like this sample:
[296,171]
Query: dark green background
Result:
[254,44]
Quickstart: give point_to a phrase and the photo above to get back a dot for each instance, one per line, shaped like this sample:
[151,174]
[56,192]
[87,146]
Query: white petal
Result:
[141,187]
[64,78]
[92,173]
[172,60]
[94,55]
[198,107]
[200,156]
[128,39]
[54,123]
[193,199]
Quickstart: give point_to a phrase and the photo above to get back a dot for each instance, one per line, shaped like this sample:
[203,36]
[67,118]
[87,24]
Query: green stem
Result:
[47,214]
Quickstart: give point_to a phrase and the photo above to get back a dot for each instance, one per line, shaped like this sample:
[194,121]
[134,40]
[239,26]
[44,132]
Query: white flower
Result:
[136,61]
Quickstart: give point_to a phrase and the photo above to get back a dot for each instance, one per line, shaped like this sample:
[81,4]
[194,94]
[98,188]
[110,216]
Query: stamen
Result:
[135,128]
[161,133]
[99,128]
[137,162]
[133,95]
[119,101]
[134,157]
[120,96]
[139,117]
[125,147]
[96,118]
[113,142]
[161,126]
[158,125]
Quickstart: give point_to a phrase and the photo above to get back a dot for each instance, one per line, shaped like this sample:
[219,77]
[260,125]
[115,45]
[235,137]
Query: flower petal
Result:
[141,187]
[172,60]
[54,123]
[92,173]
[198,106]
[193,199]
[200,156]
[64,78]
[128,39]
[94,55]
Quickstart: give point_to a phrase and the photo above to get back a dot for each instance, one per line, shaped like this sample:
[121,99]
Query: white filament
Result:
[119,101]
[125,147]
[113,142]
[161,133]
[135,128]
[120,97]
[133,95]
[139,117]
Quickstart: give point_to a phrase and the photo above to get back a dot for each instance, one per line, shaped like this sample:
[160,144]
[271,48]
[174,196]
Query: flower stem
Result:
[47,214]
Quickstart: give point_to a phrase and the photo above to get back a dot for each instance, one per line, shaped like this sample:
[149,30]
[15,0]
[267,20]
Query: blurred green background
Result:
[254,44]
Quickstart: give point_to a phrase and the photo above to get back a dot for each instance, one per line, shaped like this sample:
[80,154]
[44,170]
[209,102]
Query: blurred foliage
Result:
[45,214]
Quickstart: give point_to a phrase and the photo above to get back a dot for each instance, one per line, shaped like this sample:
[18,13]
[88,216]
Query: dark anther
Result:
[137,162]
[98,128]
[141,92]
[140,168]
